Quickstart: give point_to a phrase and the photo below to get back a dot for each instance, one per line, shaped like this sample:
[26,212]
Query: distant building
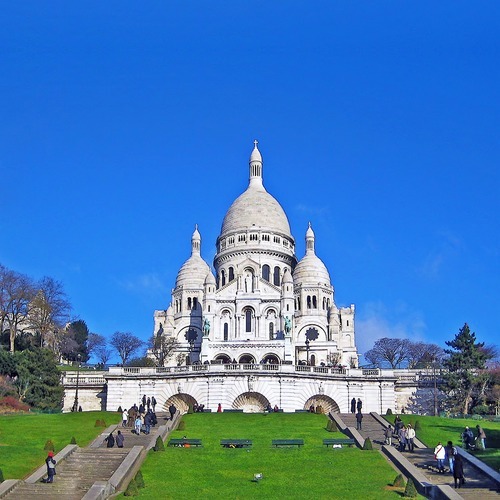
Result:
[263,305]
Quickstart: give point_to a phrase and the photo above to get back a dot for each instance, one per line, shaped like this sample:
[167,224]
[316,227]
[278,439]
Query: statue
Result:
[206,327]
[288,325]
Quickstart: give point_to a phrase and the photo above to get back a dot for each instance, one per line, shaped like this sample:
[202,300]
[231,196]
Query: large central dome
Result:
[255,208]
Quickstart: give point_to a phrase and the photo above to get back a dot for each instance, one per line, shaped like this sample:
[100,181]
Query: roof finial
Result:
[255,143]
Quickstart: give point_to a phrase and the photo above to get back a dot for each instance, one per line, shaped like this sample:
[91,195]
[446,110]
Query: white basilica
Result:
[262,304]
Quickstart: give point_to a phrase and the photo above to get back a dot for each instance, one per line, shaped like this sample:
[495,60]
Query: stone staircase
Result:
[478,485]
[75,475]
[85,466]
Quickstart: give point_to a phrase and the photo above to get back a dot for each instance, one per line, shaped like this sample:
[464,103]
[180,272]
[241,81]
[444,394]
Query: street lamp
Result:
[75,404]
[307,350]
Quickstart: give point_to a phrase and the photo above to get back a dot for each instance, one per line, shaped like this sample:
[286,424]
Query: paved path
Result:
[80,470]
[478,485]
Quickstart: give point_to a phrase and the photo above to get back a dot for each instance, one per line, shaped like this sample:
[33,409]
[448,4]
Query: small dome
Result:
[287,277]
[255,156]
[311,270]
[210,279]
[194,271]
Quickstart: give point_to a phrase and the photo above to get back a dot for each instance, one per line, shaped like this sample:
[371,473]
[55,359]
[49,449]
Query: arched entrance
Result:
[326,403]
[181,401]
[271,359]
[222,359]
[247,359]
[251,402]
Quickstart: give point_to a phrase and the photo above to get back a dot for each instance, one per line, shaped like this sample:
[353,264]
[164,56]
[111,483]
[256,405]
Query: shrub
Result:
[159,446]
[388,412]
[49,446]
[410,490]
[477,417]
[368,444]
[119,409]
[417,425]
[399,482]
[190,409]
[132,490]
[10,402]
[479,444]
[139,480]
[1,476]
[100,423]
[319,409]
[181,426]
[73,440]
[331,426]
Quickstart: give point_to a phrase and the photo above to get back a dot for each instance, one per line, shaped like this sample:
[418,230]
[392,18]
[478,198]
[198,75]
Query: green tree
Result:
[79,332]
[38,379]
[465,364]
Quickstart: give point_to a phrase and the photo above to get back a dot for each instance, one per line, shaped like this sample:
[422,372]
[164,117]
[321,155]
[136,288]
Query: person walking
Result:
[120,439]
[388,435]
[172,409]
[353,406]
[219,407]
[110,441]
[458,471]
[51,467]
[481,436]
[138,425]
[124,418]
[451,453]
[153,404]
[410,437]
[440,455]
[359,405]
[402,438]
[359,419]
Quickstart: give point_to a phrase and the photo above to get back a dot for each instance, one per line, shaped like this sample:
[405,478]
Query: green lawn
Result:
[312,471]
[23,437]
[435,429]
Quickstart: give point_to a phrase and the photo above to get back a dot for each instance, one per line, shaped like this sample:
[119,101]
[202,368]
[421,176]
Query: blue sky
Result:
[124,124]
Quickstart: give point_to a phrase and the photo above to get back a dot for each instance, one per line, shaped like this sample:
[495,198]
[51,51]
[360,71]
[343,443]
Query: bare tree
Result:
[391,351]
[16,295]
[162,348]
[103,354]
[421,355]
[126,344]
[49,309]
[94,342]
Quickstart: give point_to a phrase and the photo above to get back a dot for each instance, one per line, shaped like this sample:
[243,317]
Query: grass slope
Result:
[313,471]
[23,437]
[435,429]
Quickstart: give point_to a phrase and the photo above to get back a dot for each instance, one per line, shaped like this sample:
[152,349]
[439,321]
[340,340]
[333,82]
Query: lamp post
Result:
[307,350]
[75,404]
[191,349]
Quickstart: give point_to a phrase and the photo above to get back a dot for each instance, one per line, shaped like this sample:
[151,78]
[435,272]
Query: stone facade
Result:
[261,304]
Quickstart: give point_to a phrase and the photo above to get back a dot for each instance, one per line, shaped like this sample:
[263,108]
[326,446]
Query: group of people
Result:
[404,433]
[271,409]
[455,462]
[470,442]
[356,407]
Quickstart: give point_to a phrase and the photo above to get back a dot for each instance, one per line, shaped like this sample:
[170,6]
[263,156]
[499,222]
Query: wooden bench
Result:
[331,442]
[236,443]
[184,442]
[288,442]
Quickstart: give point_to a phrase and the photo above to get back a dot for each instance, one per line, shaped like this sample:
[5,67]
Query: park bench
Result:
[331,442]
[233,410]
[288,442]
[236,443]
[184,442]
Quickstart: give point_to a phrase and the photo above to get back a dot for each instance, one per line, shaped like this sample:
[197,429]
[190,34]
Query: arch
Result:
[271,358]
[249,318]
[226,331]
[271,331]
[312,359]
[222,358]
[181,401]
[247,359]
[231,274]
[327,404]
[251,402]
[223,278]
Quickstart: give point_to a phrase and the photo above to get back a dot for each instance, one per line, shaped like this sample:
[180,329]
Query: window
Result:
[223,277]
[271,331]
[195,303]
[226,331]
[276,276]
[309,302]
[277,239]
[231,274]
[265,237]
[248,320]
[189,303]
[266,271]
[315,305]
